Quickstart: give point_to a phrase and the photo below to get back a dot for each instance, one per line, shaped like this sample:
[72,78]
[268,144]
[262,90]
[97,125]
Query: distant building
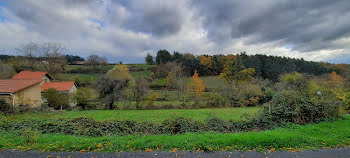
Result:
[80,62]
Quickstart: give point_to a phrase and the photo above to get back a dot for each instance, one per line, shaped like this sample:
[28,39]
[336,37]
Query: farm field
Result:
[141,115]
[289,137]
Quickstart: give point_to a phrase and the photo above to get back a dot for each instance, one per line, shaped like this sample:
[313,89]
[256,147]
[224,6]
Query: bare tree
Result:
[95,60]
[52,58]
[45,57]
[140,90]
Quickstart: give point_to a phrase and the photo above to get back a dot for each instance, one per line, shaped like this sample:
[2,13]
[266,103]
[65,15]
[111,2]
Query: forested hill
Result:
[270,67]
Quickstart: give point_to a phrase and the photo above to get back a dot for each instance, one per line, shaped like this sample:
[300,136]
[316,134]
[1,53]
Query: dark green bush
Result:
[217,124]
[293,107]
[5,108]
[118,127]
[178,125]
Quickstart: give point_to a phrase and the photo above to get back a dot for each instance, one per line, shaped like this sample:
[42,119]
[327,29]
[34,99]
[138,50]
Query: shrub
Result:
[31,136]
[118,127]
[242,94]
[217,124]
[292,106]
[83,97]
[56,99]
[5,108]
[215,100]
[268,93]
[178,125]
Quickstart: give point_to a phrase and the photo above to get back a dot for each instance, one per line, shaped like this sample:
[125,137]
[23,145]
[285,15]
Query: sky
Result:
[126,30]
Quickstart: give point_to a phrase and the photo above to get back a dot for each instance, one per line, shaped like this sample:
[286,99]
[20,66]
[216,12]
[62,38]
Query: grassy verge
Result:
[292,137]
[141,115]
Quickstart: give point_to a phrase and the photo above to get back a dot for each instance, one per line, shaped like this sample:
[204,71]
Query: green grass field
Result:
[292,138]
[94,76]
[141,115]
[82,77]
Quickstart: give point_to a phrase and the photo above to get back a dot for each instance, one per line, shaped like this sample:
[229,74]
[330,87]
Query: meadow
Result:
[289,137]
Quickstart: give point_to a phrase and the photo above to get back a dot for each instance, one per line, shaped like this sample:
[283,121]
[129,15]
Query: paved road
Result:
[325,153]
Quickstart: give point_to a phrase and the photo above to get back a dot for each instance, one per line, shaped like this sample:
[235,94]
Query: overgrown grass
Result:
[291,137]
[83,77]
[141,115]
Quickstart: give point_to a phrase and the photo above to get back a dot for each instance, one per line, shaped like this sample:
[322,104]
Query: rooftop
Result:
[13,86]
[59,86]
[30,75]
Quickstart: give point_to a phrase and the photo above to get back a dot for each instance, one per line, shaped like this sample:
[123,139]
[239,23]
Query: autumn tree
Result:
[196,85]
[295,80]
[120,72]
[206,64]
[336,79]
[236,71]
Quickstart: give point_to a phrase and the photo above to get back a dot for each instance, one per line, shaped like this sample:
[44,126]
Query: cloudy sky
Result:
[126,30]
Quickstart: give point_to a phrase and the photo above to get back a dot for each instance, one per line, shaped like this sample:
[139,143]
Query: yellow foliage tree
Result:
[121,72]
[206,61]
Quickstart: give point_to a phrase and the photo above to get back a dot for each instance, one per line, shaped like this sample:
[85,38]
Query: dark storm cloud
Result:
[318,29]
[160,18]
[296,22]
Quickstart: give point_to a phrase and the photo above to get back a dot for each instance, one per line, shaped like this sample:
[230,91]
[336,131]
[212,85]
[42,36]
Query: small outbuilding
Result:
[68,87]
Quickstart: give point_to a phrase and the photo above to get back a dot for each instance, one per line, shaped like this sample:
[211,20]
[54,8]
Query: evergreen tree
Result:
[149,59]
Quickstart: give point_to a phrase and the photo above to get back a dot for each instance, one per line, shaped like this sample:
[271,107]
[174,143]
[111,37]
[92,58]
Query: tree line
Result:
[266,67]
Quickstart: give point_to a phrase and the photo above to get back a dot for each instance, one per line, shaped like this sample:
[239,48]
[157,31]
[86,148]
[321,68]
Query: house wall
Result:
[29,96]
[44,80]
[74,89]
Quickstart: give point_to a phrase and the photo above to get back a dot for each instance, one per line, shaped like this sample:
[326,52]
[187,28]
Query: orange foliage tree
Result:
[196,85]
[335,77]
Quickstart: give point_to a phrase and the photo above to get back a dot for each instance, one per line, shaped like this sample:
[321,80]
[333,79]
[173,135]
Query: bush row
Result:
[90,127]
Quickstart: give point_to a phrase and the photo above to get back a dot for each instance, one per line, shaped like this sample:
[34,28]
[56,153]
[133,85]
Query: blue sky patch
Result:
[101,22]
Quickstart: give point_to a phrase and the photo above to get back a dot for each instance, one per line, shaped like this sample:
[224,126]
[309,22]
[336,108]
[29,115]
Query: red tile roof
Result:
[13,86]
[37,75]
[59,86]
